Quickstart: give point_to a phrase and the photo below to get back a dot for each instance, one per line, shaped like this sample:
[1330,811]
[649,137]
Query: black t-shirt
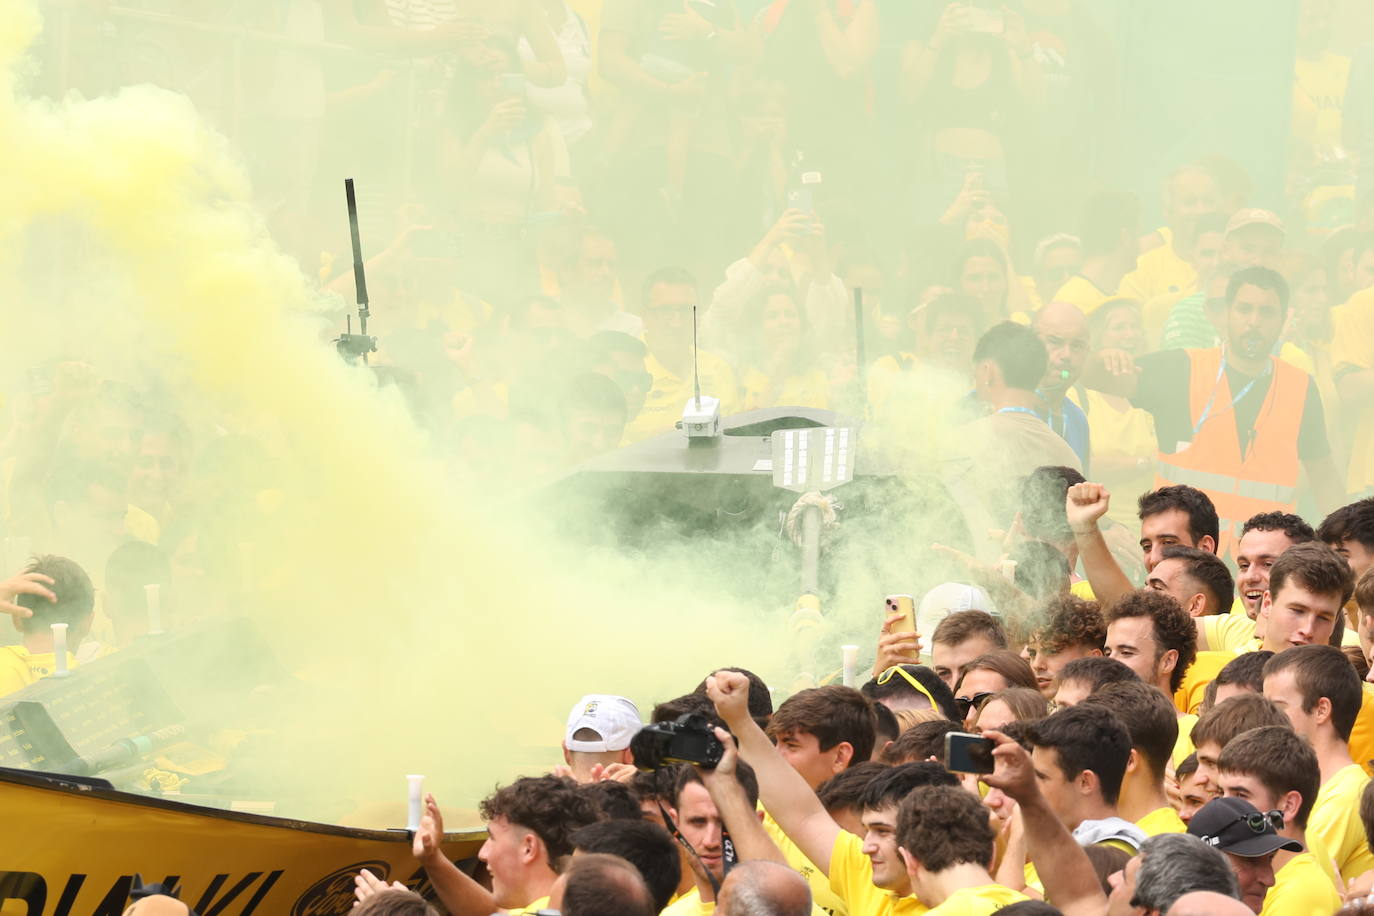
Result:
[1163,391]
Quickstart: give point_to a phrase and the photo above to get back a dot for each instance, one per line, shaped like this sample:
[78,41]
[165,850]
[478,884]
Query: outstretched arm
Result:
[1070,881]
[782,790]
[459,894]
[740,819]
[1085,504]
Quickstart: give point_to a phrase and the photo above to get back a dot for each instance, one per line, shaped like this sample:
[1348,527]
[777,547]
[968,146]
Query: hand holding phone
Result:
[968,753]
[898,641]
[906,606]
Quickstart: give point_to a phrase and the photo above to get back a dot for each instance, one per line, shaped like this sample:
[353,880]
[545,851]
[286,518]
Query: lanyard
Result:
[1048,421]
[727,848]
[1221,370]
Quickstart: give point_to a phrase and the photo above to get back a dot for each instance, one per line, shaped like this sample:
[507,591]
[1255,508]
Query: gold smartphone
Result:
[907,606]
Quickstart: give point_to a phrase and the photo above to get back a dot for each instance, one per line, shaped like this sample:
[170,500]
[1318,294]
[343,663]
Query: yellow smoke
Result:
[440,633]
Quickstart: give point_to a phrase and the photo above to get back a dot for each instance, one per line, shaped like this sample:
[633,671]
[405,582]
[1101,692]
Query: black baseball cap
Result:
[1234,825]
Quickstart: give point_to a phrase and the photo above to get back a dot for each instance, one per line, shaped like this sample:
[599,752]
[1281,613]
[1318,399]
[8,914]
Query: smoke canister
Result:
[59,650]
[415,785]
[850,656]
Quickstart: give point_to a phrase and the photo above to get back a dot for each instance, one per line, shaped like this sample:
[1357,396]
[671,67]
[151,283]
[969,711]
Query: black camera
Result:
[687,739]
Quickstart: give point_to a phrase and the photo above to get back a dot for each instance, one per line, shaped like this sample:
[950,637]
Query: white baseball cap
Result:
[951,598]
[614,719]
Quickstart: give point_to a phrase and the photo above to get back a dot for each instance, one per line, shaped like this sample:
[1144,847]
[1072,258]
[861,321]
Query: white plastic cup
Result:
[154,596]
[414,802]
[59,650]
[850,657]
[1008,569]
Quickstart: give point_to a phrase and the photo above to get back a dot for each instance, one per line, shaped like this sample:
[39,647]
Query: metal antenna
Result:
[359,277]
[696,372]
[356,346]
[862,357]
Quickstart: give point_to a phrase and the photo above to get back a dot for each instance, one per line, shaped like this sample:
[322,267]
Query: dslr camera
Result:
[687,739]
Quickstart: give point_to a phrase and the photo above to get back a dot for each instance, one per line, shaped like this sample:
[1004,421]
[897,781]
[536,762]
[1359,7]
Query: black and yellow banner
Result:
[69,850]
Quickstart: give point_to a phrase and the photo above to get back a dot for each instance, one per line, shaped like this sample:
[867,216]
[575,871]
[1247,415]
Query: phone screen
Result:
[967,753]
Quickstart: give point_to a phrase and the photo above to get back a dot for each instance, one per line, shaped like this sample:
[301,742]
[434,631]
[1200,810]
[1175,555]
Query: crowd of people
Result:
[598,206]
[1144,759]
[1149,741]
[578,176]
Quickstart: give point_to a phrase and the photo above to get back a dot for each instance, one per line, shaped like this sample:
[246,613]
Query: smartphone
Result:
[907,606]
[966,753]
[801,199]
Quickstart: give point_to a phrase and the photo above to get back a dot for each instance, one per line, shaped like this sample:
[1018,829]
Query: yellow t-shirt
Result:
[1159,272]
[1082,292]
[689,904]
[543,903]
[1335,820]
[821,891]
[1162,820]
[1352,345]
[798,389]
[1184,745]
[1297,357]
[1301,888]
[851,880]
[19,668]
[1228,632]
[1115,433]
[669,393]
[977,901]
[1317,849]
[141,525]
[1361,741]
[1204,669]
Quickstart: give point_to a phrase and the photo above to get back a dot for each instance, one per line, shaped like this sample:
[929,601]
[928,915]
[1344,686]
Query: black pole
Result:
[359,276]
[353,347]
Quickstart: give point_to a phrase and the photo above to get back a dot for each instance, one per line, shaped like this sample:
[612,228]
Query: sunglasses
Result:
[968,704]
[1258,822]
[915,684]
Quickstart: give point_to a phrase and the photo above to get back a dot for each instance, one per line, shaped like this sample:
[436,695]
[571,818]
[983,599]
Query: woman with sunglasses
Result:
[1015,704]
[986,675]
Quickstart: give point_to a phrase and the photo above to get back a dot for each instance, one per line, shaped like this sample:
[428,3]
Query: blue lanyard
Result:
[1221,370]
[1047,420]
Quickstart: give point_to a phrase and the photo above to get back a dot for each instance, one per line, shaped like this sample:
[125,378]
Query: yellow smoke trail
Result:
[443,636]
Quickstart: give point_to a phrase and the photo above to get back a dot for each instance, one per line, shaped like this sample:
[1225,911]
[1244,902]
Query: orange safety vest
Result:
[1265,478]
